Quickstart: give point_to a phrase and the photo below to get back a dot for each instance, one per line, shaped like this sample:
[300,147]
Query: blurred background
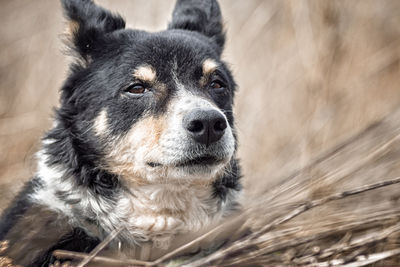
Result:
[311,74]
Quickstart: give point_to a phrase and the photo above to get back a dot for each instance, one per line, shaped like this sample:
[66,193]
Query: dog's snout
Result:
[205,126]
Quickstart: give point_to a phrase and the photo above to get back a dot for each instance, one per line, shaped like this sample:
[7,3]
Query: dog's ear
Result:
[203,16]
[87,24]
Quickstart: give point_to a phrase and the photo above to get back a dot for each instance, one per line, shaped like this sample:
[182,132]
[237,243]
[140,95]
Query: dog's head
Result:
[148,107]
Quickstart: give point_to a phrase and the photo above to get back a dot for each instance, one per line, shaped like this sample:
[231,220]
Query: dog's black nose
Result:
[205,126]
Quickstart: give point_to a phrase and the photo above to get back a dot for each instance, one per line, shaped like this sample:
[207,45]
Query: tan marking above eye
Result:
[145,73]
[209,65]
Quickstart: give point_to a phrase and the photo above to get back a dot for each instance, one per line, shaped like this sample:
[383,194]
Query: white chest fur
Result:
[157,212]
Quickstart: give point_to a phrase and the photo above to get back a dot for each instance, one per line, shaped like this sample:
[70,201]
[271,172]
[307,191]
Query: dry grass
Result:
[311,74]
[352,220]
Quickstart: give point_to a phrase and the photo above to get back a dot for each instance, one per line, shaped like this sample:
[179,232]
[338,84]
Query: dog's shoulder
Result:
[30,232]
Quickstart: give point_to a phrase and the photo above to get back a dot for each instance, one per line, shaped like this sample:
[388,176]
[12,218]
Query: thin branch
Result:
[361,260]
[216,230]
[63,254]
[358,242]
[100,247]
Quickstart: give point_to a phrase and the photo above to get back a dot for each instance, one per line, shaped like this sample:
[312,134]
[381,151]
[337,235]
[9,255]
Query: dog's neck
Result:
[159,211]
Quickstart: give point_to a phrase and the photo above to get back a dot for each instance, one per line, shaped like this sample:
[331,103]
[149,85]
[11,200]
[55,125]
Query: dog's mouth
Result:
[206,160]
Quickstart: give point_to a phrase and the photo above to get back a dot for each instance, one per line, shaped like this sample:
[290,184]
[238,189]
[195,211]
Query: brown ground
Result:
[310,74]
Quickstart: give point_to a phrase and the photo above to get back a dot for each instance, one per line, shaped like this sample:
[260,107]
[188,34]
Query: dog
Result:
[143,141]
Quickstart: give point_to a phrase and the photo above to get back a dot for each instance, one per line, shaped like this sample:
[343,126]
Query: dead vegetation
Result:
[293,224]
[311,74]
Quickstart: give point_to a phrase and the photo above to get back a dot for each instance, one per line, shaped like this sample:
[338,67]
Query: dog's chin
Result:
[204,161]
[205,166]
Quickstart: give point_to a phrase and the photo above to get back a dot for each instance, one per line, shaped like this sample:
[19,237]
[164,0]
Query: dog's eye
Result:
[136,89]
[217,86]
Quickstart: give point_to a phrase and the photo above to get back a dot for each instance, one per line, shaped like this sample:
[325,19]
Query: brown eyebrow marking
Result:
[145,73]
[209,65]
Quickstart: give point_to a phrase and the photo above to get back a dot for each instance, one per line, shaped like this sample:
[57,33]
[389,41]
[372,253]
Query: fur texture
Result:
[119,154]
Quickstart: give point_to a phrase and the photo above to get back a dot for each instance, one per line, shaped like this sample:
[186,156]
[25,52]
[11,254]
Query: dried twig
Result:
[100,246]
[360,261]
[63,254]
[358,242]
[216,231]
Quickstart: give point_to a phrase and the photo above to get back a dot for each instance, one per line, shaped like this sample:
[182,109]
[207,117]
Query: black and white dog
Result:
[143,139]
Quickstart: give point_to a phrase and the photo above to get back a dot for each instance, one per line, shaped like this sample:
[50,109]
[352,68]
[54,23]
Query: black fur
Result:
[77,240]
[93,23]
[18,207]
[228,182]
[200,16]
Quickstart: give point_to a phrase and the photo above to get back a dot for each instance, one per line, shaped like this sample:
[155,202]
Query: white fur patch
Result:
[101,123]
[52,181]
